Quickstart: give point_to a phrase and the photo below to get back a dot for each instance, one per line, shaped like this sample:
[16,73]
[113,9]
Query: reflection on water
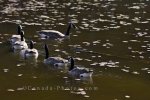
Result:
[112,39]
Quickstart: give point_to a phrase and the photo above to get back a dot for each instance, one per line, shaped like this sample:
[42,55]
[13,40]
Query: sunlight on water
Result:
[111,38]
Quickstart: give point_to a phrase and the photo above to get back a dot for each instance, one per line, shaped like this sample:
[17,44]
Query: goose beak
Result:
[74,26]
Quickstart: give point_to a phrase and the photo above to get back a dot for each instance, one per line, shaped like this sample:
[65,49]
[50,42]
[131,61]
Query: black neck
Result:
[19,29]
[31,44]
[72,63]
[68,30]
[46,51]
[22,36]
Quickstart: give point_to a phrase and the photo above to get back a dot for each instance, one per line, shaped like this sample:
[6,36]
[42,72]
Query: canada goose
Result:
[16,37]
[19,45]
[55,61]
[53,34]
[30,52]
[79,71]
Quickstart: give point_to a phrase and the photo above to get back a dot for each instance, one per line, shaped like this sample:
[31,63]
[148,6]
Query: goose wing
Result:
[81,70]
[54,60]
[15,38]
[51,34]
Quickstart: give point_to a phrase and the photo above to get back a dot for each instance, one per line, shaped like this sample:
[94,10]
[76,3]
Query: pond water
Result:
[112,38]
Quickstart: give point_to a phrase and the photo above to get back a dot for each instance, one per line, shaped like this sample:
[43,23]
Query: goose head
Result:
[29,53]
[31,44]
[22,35]
[19,29]
[71,25]
[46,51]
[32,51]
[71,60]
[17,37]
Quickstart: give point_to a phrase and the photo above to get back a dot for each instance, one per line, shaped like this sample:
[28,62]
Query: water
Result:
[112,39]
